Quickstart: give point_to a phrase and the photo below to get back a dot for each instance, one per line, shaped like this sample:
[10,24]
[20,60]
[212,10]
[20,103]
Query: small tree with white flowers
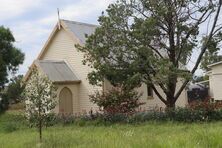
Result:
[40,96]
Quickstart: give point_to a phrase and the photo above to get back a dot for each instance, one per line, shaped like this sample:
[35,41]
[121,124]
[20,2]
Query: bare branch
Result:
[203,49]
[218,29]
[155,50]
[199,21]
[159,95]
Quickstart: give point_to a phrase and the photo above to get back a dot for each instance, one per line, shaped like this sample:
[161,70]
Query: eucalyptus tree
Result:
[10,56]
[152,41]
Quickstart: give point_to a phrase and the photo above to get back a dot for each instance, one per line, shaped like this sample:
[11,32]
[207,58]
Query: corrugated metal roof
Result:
[80,29]
[57,71]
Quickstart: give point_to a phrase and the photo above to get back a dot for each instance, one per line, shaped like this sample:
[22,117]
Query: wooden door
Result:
[65,101]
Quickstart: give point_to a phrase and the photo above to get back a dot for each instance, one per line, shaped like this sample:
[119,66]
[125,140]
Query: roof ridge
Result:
[80,23]
[214,64]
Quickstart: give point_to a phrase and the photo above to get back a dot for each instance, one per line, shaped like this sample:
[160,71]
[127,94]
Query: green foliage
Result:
[4,103]
[12,121]
[210,58]
[150,42]
[10,56]
[12,93]
[184,115]
[10,127]
[117,100]
[200,78]
[48,120]
[212,54]
[14,90]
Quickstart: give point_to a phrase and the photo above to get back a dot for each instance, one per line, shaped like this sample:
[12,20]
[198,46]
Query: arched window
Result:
[65,101]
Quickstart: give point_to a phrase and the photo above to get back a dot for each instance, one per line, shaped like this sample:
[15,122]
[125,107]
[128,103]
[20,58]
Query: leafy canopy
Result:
[10,56]
[151,41]
[12,93]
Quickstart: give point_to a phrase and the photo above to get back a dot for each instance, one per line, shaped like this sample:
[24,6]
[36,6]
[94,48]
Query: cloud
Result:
[85,9]
[82,10]
[30,38]
[12,8]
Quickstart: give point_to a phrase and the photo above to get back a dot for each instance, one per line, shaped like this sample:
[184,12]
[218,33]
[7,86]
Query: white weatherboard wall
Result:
[154,102]
[210,84]
[62,47]
[215,78]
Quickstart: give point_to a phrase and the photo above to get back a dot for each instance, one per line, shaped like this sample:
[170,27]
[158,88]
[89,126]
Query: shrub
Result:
[186,115]
[49,119]
[113,118]
[12,121]
[10,127]
[207,104]
[179,115]
[66,119]
[117,101]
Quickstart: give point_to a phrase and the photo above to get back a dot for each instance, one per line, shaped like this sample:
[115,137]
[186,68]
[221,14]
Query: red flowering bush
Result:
[117,101]
[207,105]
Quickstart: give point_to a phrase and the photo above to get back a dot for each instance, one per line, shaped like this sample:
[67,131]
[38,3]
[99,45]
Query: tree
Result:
[12,93]
[40,96]
[10,56]
[197,79]
[151,41]
[210,58]
[212,54]
[14,89]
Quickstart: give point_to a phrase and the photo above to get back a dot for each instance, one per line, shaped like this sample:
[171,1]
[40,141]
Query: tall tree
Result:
[151,41]
[10,56]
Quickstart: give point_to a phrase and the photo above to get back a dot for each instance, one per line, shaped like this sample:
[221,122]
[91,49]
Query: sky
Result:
[31,21]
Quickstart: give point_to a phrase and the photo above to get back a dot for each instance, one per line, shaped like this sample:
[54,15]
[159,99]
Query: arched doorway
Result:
[65,101]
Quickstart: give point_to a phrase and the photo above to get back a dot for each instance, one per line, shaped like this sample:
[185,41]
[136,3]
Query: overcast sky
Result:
[31,21]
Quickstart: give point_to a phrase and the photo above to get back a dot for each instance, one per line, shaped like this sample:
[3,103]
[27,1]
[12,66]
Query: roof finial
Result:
[58,18]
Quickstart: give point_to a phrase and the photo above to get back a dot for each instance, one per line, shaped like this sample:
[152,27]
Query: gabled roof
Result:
[80,30]
[76,30]
[57,71]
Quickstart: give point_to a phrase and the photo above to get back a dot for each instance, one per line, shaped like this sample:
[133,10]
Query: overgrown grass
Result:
[150,134]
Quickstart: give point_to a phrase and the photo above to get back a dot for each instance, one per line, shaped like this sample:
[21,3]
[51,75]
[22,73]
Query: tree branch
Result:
[158,94]
[203,49]
[155,50]
[191,30]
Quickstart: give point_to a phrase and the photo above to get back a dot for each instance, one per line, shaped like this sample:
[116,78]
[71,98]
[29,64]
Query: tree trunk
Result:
[40,130]
[170,105]
[40,123]
[170,102]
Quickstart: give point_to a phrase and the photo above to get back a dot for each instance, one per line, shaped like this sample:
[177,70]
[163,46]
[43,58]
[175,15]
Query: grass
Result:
[150,134]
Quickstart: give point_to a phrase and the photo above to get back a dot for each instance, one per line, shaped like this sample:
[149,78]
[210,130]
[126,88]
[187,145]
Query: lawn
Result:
[15,133]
